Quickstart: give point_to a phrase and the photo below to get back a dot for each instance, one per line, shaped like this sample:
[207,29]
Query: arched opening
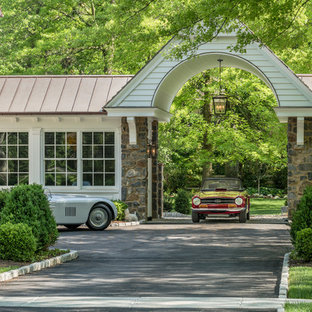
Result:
[248,142]
[186,69]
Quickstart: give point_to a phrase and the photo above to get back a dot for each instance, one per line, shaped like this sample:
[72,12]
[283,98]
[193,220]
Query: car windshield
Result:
[229,184]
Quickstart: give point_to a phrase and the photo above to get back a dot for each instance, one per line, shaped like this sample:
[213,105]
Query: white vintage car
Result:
[73,210]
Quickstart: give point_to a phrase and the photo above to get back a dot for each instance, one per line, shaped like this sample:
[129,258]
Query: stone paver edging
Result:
[37,266]
[116,224]
[283,289]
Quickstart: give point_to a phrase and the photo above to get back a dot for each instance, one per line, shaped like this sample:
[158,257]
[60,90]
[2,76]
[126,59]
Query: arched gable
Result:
[155,86]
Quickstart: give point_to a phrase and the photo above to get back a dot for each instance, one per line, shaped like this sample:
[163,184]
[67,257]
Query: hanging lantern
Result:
[220,101]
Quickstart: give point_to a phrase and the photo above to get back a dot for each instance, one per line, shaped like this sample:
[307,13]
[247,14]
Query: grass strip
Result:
[266,206]
[6,269]
[299,307]
[300,283]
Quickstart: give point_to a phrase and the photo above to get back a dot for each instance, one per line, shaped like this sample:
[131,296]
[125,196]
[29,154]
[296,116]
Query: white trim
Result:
[285,112]
[132,131]
[300,130]
[149,173]
[34,140]
[138,112]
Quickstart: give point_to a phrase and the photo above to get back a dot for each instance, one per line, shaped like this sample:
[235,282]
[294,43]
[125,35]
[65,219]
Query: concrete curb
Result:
[283,289]
[125,224]
[38,266]
[284,278]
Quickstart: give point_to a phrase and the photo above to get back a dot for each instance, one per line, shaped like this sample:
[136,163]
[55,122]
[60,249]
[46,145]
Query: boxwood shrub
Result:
[302,217]
[303,245]
[17,242]
[28,204]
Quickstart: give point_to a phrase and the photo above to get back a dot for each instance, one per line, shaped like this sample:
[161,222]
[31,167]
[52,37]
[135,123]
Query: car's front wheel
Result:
[195,217]
[243,216]
[99,217]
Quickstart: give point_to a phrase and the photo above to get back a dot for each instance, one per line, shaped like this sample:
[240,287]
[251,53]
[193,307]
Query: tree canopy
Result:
[120,36]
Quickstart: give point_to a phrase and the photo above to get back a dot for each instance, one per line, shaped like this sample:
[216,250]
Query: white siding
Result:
[159,80]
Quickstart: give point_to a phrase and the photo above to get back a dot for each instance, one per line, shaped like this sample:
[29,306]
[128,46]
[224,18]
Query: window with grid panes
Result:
[60,158]
[14,159]
[98,158]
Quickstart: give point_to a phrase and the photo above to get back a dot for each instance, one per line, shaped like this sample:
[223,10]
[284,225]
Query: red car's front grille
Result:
[218,201]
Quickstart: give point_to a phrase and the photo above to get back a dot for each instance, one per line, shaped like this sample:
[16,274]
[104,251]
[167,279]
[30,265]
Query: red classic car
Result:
[221,196]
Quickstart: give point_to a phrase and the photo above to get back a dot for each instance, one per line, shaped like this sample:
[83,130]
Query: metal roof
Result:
[66,94]
[58,94]
[306,79]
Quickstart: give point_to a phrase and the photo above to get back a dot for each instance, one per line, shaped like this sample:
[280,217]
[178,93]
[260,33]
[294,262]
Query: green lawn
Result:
[262,206]
[300,307]
[5,269]
[300,283]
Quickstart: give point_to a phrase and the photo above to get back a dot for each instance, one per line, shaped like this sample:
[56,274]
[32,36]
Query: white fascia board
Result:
[285,112]
[138,112]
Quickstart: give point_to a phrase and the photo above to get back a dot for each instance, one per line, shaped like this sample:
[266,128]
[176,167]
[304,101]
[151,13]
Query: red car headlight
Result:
[196,201]
[239,201]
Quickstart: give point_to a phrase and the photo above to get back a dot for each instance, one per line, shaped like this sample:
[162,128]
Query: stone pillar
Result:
[299,162]
[134,167]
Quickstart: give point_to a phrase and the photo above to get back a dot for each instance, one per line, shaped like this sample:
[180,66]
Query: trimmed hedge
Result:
[28,204]
[302,217]
[17,242]
[303,244]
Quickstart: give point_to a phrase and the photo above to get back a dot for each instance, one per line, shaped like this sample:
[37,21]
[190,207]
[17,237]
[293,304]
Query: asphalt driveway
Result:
[214,259]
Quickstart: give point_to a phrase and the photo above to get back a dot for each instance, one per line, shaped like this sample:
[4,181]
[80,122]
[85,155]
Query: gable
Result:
[156,85]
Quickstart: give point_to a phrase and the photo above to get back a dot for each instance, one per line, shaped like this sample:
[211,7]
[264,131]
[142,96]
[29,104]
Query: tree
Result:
[74,37]
[250,133]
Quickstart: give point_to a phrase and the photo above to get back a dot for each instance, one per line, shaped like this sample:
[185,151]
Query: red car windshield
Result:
[229,184]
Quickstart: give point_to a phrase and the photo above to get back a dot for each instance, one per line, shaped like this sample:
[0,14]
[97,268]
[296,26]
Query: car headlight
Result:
[238,201]
[196,201]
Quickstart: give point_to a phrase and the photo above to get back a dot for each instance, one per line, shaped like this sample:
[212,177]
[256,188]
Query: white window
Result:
[60,158]
[98,158]
[14,160]
[93,152]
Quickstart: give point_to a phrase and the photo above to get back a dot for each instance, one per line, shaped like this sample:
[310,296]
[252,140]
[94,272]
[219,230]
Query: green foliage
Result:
[303,244]
[121,207]
[3,196]
[249,137]
[168,202]
[28,204]
[266,191]
[302,217]
[182,202]
[17,242]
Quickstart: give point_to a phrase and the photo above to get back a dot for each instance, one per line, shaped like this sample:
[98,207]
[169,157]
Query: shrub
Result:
[121,207]
[17,242]
[302,217]
[303,245]
[168,202]
[182,202]
[28,204]
[3,196]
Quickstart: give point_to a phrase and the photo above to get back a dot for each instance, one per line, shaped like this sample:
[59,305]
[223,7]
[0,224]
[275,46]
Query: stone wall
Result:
[134,167]
[299,162]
